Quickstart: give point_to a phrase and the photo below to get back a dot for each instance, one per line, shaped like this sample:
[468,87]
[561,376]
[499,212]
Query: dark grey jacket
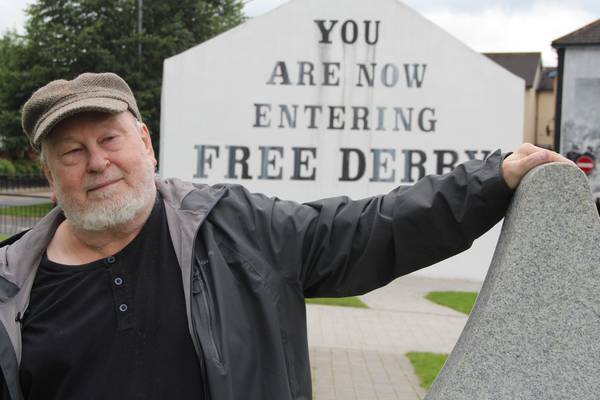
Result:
[247,262]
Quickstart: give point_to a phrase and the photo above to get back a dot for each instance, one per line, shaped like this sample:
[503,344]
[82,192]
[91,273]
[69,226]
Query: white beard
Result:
[114,207]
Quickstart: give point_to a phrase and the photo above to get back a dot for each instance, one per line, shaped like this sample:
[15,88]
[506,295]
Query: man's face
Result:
[100,168]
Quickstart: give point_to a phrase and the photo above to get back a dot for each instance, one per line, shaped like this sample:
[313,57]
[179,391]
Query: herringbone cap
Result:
[59,99]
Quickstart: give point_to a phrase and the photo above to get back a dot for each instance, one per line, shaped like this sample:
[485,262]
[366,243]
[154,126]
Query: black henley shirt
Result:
[115,328]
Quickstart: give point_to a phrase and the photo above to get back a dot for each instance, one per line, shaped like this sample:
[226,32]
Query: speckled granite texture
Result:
[535,330]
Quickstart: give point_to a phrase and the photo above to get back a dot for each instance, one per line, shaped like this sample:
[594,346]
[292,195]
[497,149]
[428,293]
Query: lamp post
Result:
[139,27]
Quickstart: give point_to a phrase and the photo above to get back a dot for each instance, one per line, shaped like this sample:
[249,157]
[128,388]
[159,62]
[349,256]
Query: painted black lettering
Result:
[312,111]
[306,70]
[233,160]
[301,162]
[406,120]
[381,160]
[417,76]
[349,32]
[360,169]
[368,75]
[429,124]
[280,71]
[284,113]
[442,164]
[331,74]
[368,38]
[325,32]
[360,114]
[261,115]
[390,75]
[203,159]
[336,115]
[410,163]
[266,162]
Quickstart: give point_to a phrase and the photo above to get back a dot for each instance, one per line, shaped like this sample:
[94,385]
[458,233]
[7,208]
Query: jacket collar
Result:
[20,259]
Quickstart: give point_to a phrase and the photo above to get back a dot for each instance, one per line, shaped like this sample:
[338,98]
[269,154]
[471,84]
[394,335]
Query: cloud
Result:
[498,29]
[254,8]
[484,25]
[12,14]
[495,25]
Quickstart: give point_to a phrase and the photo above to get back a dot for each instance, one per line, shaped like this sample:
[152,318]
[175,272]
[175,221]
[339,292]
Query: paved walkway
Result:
[358,354]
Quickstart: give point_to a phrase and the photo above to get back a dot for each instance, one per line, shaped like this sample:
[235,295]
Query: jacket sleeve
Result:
[340,247]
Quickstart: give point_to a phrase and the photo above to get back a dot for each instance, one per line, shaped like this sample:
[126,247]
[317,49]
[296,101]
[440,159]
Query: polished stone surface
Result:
[535,330]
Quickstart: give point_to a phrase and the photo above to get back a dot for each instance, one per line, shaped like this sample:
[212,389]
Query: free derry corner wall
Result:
[325,97]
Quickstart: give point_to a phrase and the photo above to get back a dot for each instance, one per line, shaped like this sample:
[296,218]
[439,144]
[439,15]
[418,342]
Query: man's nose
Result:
[98,160]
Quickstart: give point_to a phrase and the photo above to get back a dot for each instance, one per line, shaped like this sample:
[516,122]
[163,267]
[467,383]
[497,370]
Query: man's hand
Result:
[524,159]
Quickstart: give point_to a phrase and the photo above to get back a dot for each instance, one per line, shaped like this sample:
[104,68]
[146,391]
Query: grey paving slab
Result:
[360,353]
[533,333]
[407,294]
[340,373]
[395,331]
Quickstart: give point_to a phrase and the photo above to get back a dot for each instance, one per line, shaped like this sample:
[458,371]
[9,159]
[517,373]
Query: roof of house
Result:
[548,77]
[587,35]
[521,64]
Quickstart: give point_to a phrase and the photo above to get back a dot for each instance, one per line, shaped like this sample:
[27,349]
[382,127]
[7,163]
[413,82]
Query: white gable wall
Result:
[210,92]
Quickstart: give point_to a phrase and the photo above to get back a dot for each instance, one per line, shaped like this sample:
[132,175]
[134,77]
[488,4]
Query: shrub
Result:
[27,167]
[7,167]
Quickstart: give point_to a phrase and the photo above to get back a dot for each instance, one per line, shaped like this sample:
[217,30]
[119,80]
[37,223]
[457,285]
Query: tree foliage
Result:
[64,38]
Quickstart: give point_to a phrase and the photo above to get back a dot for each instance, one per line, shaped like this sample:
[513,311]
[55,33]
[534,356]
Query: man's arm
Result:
[382,238]
[339,247]
[357,246]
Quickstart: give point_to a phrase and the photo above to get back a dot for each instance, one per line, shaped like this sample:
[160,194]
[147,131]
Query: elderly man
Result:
[136,288]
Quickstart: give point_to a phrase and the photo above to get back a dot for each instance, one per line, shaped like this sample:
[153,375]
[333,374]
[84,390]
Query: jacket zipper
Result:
[200,353]
[209,315]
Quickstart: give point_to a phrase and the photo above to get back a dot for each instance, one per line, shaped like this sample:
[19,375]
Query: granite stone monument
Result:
[534,332]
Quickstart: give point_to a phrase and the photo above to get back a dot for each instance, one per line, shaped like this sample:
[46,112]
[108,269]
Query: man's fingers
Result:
[528,149]
[533,160]
[560,158]
[526,158]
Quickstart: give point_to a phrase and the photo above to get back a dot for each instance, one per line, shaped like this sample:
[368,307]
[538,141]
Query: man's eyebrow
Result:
[64,141]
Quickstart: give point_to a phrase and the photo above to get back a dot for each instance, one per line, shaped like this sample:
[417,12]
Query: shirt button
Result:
[123,307]
[111,260]
[118,281]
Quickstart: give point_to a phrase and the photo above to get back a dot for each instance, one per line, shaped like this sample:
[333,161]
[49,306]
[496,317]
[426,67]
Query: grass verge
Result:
[341,301]
[460,301]
[427,366]
[35,210]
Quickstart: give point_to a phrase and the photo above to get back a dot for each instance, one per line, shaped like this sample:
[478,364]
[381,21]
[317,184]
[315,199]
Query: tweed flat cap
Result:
[59,99]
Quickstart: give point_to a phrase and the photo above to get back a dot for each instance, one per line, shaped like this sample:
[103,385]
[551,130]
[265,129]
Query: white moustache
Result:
[103,182]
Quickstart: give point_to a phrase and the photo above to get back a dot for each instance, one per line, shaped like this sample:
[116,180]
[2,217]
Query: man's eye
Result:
[110,139]
[71,151]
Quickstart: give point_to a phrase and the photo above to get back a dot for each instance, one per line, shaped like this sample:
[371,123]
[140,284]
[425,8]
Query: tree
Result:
[11,91]
[67,37]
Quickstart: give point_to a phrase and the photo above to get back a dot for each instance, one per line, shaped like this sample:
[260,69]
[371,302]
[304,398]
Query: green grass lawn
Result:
[342,301]
[2,237]
[459,301]
[36,210]
[427,366]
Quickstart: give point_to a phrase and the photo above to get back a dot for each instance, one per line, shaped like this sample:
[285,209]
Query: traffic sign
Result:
[585,163]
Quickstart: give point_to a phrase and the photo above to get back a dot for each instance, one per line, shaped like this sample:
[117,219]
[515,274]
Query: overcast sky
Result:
[484,25]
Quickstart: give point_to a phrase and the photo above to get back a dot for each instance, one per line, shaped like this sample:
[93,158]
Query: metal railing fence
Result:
[24,200]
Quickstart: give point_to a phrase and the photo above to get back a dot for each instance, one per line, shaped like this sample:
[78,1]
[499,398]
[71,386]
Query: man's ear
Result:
[149,150]
[50,180]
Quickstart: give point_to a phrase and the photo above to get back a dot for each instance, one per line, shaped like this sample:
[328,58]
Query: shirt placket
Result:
[121,282]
